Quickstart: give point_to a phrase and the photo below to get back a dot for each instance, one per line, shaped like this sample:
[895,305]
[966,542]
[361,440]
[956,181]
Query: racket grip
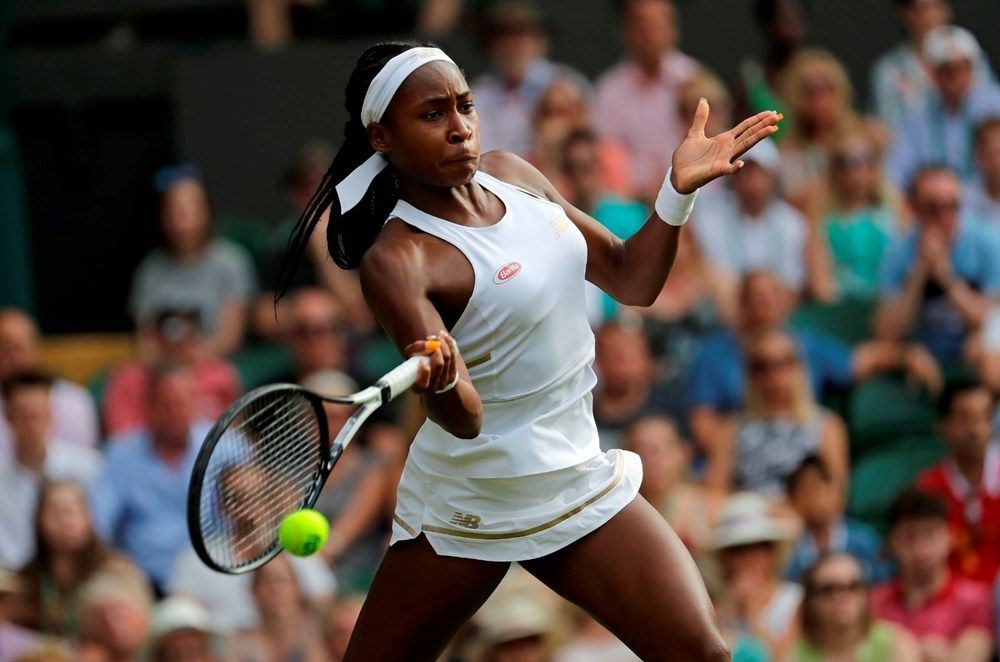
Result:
[401,378]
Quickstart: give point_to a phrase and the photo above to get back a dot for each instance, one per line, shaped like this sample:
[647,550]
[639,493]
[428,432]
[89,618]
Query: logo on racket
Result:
[506,272]
[467,520]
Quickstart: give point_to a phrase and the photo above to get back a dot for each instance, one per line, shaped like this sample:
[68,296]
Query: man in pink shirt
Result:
[949,615]
[637,98]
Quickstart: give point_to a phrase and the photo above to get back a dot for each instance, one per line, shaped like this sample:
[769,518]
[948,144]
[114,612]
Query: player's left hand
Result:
[700,159]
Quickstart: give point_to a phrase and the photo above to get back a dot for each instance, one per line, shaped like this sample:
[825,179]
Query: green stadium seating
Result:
[884,409]
[850,320]
[262,364]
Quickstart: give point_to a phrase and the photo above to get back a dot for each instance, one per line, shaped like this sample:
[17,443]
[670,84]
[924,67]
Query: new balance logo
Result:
[467,520]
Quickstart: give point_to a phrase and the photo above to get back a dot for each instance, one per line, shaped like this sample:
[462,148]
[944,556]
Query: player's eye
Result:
[433,115]
[467,106]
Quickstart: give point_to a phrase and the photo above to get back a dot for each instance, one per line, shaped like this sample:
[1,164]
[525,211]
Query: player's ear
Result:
[378,137]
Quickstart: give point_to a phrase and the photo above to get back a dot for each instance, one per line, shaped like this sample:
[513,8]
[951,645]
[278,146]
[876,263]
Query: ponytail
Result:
[350,234]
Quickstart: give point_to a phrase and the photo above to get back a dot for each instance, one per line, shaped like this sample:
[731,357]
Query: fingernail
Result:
[781,116]
[776,128]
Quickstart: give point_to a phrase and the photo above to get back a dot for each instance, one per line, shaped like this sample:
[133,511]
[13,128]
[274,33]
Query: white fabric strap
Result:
[383,88]
[673,207]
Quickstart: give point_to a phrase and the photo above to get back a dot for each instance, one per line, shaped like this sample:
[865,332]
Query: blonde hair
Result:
[792,84]
[805,406]
[884,194]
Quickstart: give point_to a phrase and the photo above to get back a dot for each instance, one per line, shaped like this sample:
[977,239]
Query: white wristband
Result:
[450,386]
[673,207]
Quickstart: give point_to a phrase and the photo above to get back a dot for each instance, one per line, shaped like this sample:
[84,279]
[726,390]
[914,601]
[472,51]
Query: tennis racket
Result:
[269,455]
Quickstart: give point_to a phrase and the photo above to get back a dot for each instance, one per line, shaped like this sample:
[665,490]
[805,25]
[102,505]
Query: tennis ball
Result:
[304,532]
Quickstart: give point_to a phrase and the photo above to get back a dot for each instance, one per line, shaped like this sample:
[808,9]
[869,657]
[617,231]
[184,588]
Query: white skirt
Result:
[513,519]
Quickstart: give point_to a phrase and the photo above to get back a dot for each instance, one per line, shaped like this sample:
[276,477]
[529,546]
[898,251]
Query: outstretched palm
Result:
[700,159]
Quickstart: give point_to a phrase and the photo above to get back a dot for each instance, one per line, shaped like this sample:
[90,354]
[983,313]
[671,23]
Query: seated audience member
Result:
[37,455]
[14,639]
[950,616]
[513,627]
[749,545]
[939,278]
[591,642]
[836,618]
[939,131]
[193,268]
[115,613]
[969,479]
[717,378]
[749,227]
[140,502]
[180,631]
[73,413]
[352,498]
[781,26]
[626,387]
[780,426]
[860,215]
[706,85]
[819,501]
[178,337]
[688,508]
[517,42]
[561,112]
[313,329]
[67,555]
[982,196]
[338,625]
[649,77]
[287,630]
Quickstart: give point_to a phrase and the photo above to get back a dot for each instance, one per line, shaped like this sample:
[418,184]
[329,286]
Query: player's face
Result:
[430,132]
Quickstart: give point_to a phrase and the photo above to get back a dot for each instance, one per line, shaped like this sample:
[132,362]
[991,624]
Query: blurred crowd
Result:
[813,395]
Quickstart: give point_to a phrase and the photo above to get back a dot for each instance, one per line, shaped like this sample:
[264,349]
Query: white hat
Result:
[178,612]
[764,154]
[746,519]
[512,618]
[949,43]
[330,383]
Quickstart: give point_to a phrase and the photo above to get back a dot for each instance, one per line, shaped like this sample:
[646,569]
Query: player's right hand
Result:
[442,367]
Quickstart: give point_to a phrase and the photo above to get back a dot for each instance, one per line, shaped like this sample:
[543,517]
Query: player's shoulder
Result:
[512,169]
[396,258]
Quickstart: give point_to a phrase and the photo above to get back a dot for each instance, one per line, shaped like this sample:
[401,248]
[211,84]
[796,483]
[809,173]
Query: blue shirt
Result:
[140,503]
[718,376]
[850,537]
[975,258]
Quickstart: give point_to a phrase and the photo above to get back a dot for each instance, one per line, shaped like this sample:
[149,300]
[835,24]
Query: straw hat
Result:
[746,519]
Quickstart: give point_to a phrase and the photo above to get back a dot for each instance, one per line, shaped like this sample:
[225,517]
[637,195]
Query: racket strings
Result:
[262,468]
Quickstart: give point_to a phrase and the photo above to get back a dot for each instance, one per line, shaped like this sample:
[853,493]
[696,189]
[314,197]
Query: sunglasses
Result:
[938,207]
[829,589]
[856,160]
[763,365]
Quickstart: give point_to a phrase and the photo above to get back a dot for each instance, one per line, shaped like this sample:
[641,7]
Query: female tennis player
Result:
[507,466]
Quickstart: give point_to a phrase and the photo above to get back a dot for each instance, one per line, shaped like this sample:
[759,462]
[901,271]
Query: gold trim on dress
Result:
[406,527]
[479,360]
[484,535]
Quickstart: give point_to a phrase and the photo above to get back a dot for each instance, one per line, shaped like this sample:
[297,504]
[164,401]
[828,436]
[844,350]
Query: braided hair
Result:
[350,234]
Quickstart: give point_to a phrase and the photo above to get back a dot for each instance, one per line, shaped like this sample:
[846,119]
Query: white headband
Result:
[381,91]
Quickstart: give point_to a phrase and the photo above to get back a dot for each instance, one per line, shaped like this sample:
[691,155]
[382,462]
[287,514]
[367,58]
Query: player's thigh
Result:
[418,601]
[635,576]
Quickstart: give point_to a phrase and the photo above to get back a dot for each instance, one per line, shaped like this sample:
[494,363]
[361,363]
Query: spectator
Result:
[352,498]
[717,377]
[819,502]
[37,455]
[115,614]
[706,85]
[178,337]
[749,544]
[192,269]
[969,479]
[14,640]
[750,227]
[67,556]
[783,27]
[836,618]
[561,112]
[900,79]
[938,279]
[625,389]
[73,412]
[339,624]
[140,502]
[780,426]
[860,214]
[316,334]
[513,629]
[591,642]
[939,130]
[288,630]
[180,631]
[949,615]
[517,41]
[982,197]
[666,457]
[637,98]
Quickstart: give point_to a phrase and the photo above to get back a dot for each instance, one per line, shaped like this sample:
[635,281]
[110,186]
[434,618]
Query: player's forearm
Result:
[645,260]
[459,411]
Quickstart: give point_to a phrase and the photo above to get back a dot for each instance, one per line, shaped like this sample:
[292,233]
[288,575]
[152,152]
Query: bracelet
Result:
[672,207]
[450,386]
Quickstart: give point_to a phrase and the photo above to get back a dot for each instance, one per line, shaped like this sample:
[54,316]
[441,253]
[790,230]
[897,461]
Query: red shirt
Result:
[973,516]
[960,604]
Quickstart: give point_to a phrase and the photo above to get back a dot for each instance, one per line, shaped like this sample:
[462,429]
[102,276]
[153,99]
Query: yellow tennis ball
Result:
[304,532]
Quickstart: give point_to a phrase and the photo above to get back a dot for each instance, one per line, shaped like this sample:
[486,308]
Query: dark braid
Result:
[349,235]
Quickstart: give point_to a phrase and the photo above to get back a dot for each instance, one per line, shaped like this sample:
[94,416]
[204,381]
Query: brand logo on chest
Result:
[506,272]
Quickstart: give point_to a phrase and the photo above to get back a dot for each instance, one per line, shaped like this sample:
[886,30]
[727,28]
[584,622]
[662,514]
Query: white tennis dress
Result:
[535,479]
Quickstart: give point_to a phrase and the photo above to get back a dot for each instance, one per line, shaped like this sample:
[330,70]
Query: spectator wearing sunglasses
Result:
[949,615]
[780,426]
[315,332]
[938,280]
[836,618]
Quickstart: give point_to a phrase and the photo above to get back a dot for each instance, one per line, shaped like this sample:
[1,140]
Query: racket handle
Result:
[400,378]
